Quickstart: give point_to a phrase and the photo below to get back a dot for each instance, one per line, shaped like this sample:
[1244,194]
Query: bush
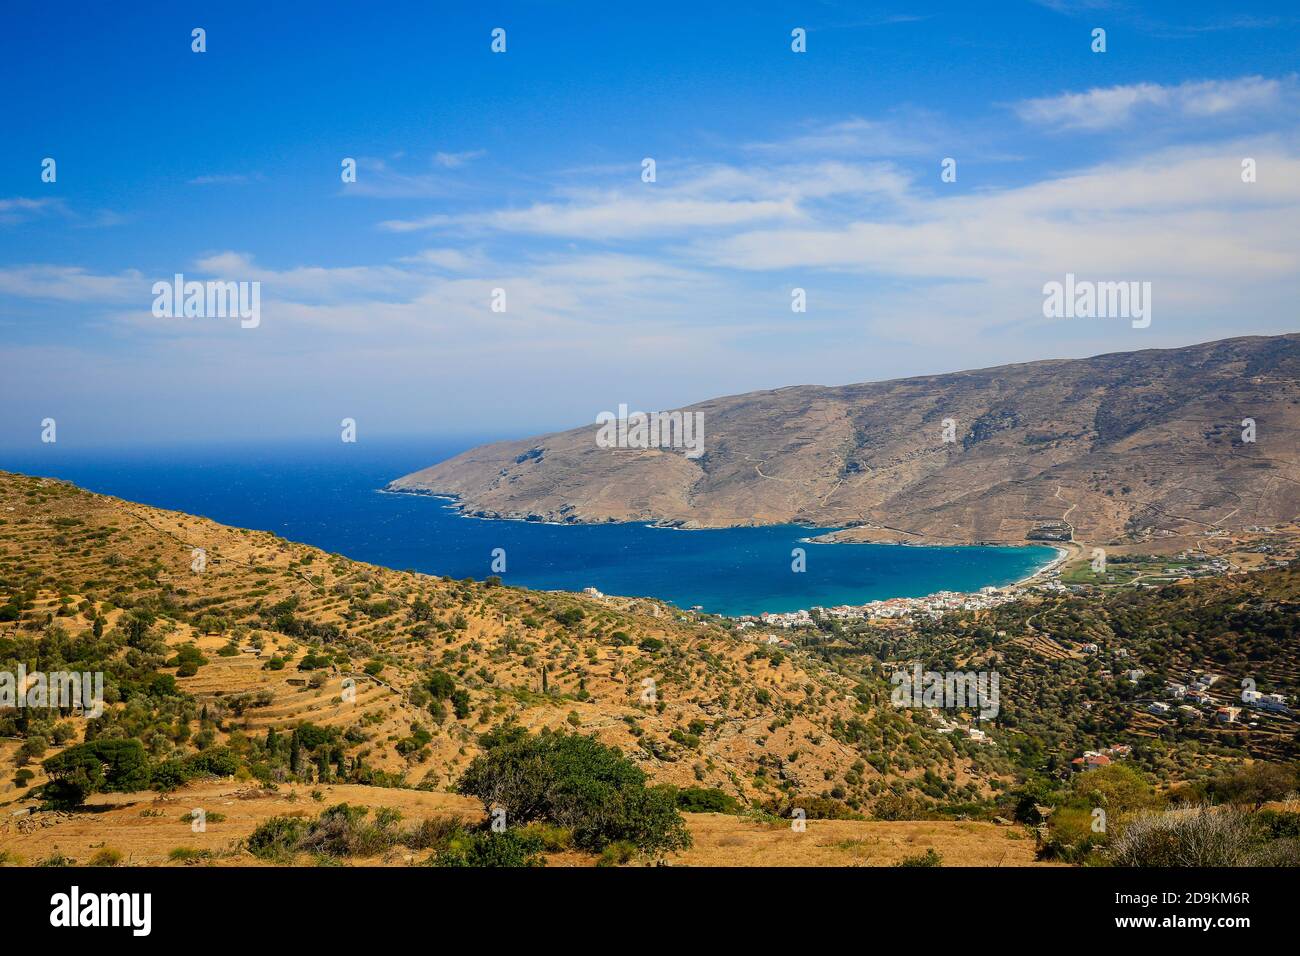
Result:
[1070,836]
[1200,836]
[277,838]
[1278,853]
[433,834]
[512,848]
[441,685]
[215,762]
[577,783]
[106,857]
[343,830]
[32,748]
[168,775]
[617,854]
[706,800]
[186,854]
[929,858]
[814,808]
[570,617]
[1116,788]
[1255,785]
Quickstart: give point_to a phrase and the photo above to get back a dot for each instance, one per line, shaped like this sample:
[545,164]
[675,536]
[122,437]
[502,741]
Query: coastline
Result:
[822,536]
[1062,555]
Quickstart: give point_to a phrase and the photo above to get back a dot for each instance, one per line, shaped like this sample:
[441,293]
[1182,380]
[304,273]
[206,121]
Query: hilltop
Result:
[1121,446]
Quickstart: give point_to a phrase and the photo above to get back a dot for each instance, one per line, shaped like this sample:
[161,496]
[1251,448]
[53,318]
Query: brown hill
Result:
[1122,445]
[282,626]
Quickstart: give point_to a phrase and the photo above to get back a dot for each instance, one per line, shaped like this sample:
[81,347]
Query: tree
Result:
[101,765]
[441,685]
[460,703]
[138,626]
[577,783]
[1116,788]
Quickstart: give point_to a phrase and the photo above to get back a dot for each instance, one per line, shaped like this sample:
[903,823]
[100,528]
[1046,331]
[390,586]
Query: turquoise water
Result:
[327,496]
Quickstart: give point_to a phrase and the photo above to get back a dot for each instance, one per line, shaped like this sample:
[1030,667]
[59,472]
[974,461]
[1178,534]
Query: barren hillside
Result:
[1123,445]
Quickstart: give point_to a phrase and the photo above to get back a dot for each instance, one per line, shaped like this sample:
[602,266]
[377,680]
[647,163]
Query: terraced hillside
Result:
[319,710]
[396,675]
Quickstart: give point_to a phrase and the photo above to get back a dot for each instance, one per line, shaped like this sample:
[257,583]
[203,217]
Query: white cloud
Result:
[72,284]
[612,216]
[1114,106]
[20,209]
[713,197]
[452,260]
[452,160]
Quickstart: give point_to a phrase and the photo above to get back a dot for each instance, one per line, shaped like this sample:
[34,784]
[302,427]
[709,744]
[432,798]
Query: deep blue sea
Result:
[328,495]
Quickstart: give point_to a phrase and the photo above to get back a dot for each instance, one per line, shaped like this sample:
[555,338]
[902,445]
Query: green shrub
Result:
[276,838]
[706,800]
[511,848]
[617,854]
[577,783]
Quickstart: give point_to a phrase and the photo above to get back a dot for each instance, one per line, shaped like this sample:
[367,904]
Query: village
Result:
[932,605]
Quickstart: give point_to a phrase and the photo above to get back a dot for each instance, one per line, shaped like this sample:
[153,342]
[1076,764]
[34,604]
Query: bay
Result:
[328,495]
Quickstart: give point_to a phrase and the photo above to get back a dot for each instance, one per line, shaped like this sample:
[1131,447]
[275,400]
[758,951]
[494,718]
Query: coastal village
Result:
[932,605]
[1199,696]
[1195,697]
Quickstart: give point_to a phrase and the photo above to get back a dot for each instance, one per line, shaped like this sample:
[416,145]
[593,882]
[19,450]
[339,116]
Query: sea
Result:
[330,495]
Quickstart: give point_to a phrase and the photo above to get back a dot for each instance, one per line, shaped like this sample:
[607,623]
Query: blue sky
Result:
[522,171]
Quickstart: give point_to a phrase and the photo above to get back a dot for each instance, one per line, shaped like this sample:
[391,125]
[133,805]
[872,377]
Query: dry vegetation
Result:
[284,634]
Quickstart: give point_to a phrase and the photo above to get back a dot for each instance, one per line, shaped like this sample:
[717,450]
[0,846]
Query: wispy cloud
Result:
[453,160]
[711,197]
[224,179]
[71,284]
[20,209]
[380,179]
[1116,106]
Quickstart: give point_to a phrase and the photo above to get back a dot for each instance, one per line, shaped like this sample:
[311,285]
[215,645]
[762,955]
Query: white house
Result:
[1273,702]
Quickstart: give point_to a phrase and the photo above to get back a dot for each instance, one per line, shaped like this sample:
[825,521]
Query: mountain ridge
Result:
[1124,445]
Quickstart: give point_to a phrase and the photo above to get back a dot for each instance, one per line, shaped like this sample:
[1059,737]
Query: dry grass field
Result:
[148,829]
